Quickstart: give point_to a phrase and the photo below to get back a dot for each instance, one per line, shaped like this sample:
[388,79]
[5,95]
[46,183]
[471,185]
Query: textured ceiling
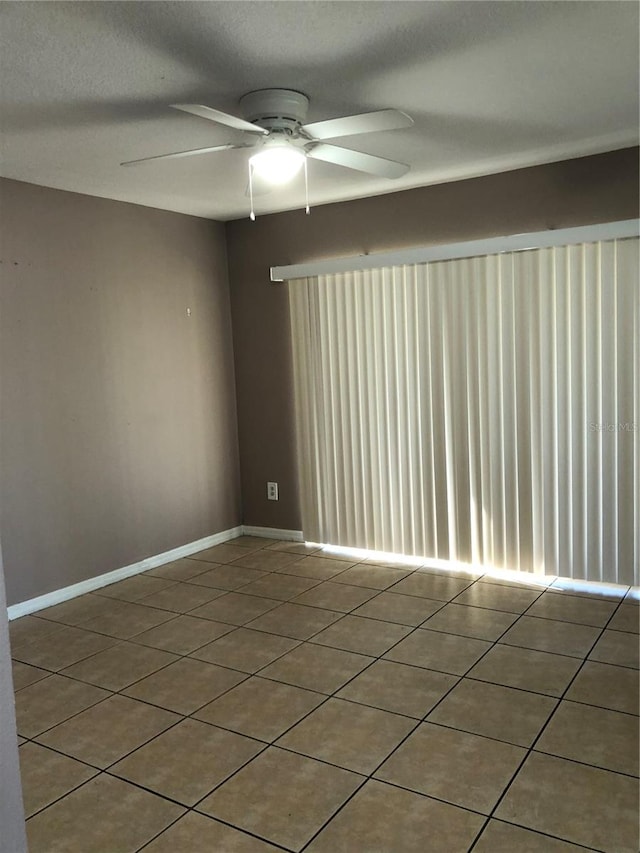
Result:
[490,85]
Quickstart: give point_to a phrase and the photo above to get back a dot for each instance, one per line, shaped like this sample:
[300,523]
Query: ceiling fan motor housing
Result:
[275,109]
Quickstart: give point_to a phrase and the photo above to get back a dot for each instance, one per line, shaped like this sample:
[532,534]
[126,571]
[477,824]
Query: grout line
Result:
[585,763]
[418,722]
[238,829]
[158,834]
[311,711]
[66,794]
[542,730]
[534,832]
[373,659]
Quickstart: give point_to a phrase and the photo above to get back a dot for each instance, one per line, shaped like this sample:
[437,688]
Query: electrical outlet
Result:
[272,491]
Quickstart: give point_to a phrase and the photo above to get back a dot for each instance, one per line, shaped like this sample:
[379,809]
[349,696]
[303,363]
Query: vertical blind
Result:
[483,410]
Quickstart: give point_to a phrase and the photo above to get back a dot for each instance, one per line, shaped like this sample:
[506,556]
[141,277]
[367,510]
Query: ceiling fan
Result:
[283,142]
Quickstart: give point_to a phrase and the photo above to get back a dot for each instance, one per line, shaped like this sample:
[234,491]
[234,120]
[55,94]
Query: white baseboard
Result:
[88,585]
[273,533]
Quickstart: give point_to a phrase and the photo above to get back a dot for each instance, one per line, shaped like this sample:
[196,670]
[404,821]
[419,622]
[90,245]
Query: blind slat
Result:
[483,410]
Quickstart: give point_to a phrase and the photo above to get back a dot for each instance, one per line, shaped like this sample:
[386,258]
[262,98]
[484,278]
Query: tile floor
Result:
[263,696]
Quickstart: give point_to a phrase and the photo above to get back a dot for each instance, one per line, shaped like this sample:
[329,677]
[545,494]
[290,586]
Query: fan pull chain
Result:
[306,186]
[252,215]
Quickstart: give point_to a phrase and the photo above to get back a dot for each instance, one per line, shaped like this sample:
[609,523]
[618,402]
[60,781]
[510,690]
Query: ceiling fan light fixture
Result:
[277,164]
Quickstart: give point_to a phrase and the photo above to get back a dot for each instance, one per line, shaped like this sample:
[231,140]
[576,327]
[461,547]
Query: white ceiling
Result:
[491,86]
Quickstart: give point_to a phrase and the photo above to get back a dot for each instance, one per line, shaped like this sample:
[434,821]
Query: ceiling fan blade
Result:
[176,155]
[364,123]
[359,161]
[221,118]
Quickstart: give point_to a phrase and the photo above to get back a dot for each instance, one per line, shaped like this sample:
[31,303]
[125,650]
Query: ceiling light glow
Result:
[277,165]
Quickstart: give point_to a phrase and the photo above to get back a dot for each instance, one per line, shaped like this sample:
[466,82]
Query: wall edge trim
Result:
[32,605]
[273,533]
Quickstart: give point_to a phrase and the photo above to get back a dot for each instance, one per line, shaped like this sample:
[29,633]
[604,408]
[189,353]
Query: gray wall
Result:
[602,188]
[119,437]
[119,434]
[12,829]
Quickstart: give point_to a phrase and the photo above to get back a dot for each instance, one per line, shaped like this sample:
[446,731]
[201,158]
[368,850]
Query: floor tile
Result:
[119,666]
[573,608]
[108,731]
[124,619]
[260,708]
[251,542]
[195,833]
[134,588]
[52,700]
[397,562]
[335,596]
[398,688]
[268,561]
[235,608]
[185,686]
[471,736]
[476,622]
[74,611]
[371,822]
[498,597]
[519,580]
[331,552]
[355,737]
[285,813]
[429,585]
[457,767]
[606,739]
[498,712]
[626,618]
[403,609]
[295,620]
[224,553]
[316,668]
[229,577]
[581,804]
[434,568]
[294,547]
[245,650]
[184,634]
[358,634]
[607,686]
[539,672]
[373,577]
[442,652]
[499,837]
[30,629]
[280,586]
[179,570]
[63,648]
[104,814]
[549,635]
[188,761]
[46,776]
[318,567]
[182,597]
[79,610]
[585,589]
[24,675]
[617,647]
